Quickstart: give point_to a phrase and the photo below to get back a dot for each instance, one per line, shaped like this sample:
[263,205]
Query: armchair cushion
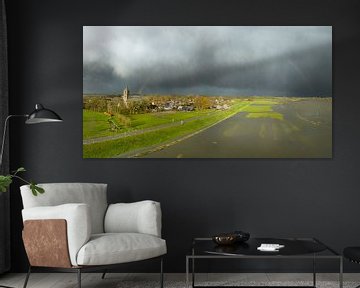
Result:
[78,221]
[113,248]
[92,194]
[138,217]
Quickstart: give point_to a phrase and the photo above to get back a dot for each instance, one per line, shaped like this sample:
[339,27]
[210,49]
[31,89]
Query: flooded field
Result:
[288,128]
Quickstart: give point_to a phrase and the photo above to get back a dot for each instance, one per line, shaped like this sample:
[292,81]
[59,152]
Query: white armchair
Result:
[72,228]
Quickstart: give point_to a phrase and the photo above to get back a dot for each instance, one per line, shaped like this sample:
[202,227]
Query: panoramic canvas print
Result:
[207,92]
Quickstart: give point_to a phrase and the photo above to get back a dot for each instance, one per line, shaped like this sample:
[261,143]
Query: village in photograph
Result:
[207,92]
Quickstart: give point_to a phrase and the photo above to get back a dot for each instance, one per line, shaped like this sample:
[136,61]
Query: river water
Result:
[304,132]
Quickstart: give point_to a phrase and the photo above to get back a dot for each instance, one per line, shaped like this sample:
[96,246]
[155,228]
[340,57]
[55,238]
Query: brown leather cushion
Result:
[46,243]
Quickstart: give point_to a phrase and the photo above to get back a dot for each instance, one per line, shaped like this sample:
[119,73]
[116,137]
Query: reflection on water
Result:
[293,129]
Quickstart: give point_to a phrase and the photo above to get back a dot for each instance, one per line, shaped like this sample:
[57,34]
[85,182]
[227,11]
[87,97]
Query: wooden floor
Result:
[115,280]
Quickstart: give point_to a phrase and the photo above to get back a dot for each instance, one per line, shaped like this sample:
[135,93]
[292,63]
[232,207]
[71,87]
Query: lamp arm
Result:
[4,134]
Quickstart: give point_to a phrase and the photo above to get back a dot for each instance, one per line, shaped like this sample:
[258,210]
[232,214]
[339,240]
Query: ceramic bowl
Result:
[225,239]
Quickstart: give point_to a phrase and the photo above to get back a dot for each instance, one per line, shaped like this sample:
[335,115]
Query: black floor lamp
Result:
[39,115]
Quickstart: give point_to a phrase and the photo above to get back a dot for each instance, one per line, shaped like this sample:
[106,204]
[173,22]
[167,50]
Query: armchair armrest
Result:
[138,217]
[77,219]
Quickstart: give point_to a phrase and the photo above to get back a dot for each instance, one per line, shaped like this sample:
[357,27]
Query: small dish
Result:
[225,239]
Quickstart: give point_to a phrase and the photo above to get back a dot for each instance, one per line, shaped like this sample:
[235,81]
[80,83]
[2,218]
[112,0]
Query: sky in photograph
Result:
[208,60]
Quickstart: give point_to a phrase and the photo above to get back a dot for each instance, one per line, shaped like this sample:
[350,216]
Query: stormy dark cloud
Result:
[261,60]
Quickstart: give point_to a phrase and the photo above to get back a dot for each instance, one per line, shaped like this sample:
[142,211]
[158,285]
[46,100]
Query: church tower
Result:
[126,94]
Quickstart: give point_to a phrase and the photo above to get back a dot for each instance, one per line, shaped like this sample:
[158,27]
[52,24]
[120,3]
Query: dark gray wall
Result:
[282,198]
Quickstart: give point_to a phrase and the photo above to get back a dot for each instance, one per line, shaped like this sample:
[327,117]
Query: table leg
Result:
[193,267]
[314,271]
[341,273]
[187,272]
[193,272]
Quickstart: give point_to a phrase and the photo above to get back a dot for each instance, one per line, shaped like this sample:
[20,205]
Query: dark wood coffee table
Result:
[295,248]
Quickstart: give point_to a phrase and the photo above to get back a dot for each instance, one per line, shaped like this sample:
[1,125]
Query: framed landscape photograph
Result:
[207,92]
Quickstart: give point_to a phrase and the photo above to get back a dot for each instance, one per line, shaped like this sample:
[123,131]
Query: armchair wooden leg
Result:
[161,273]
[79,277]
[103,275]
[27,277]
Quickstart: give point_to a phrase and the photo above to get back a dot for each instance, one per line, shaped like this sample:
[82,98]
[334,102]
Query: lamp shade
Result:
[42,115]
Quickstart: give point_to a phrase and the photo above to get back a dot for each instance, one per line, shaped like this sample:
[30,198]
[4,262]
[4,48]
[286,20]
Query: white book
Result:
[270,247]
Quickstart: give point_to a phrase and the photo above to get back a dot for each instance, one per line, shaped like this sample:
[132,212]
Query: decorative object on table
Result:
[39,115]
[270,247]
[96,236]
[225,239]
[241,236]
[231,238]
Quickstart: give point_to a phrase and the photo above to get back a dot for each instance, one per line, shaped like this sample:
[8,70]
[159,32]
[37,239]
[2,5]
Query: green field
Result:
[95,125]
[261,127]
